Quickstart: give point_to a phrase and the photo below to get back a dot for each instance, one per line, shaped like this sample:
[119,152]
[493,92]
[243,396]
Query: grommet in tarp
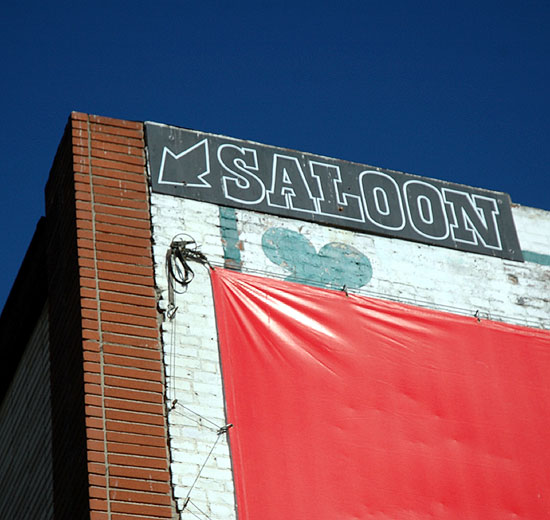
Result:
[224,429]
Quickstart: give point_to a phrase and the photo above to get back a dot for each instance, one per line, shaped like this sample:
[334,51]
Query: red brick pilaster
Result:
[127,454]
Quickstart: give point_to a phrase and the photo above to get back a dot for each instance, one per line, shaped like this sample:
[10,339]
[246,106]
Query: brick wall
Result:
[267,245]
[68,427]
[26,471]
[26,474]
[99,208]
[193,371]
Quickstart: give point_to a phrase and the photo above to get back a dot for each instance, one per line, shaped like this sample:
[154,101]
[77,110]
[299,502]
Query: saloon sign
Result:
[247,175]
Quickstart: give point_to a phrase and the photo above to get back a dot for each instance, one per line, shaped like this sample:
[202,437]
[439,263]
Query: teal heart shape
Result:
[335,266]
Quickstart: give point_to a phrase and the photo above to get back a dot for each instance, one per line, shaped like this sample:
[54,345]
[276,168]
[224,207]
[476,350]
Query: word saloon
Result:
[257,177]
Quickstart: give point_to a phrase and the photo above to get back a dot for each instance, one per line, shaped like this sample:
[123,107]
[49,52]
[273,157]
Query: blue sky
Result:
[451,90]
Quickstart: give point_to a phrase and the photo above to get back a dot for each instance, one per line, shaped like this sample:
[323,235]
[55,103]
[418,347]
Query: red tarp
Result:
[357,408]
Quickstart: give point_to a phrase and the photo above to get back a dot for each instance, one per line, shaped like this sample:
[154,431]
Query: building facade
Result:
[160,247]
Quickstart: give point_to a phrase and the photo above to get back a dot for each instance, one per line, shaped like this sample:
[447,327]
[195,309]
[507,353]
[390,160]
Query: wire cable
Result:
[200,510]
[216,428]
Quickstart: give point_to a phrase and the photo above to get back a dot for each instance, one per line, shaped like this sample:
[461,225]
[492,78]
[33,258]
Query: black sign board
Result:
[243,174]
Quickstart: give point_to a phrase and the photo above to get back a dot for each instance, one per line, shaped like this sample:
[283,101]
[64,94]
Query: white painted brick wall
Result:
[533,227]
[192,364]
[414,273]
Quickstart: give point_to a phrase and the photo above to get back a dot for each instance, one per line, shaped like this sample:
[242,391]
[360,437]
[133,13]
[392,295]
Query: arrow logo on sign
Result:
[187,168]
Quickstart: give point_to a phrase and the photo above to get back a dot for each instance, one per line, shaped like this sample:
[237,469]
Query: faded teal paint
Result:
[230,238]
[537,258]
[335,265]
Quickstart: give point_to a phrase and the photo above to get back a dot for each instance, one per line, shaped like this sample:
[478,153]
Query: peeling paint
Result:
[513,279]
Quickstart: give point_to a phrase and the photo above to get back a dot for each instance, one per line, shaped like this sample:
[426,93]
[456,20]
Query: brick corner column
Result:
[123,374]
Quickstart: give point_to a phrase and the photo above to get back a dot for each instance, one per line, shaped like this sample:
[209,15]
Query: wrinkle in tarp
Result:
[347,407]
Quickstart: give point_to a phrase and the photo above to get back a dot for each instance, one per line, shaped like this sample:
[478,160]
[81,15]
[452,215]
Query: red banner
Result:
[346,407]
